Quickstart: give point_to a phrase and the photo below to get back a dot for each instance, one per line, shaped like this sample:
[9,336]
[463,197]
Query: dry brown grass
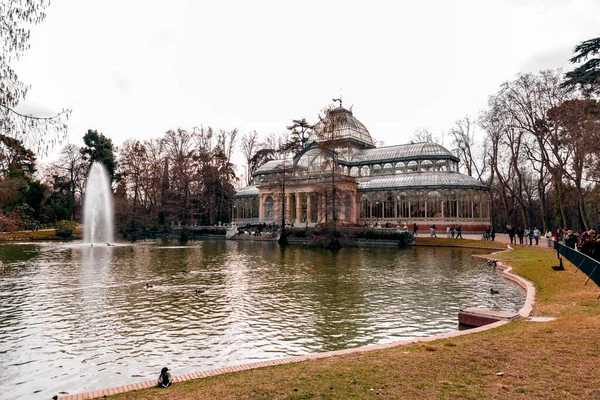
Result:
[557,359]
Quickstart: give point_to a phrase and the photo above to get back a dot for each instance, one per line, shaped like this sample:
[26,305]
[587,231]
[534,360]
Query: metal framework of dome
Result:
[346,128]
[420,180]
[402,152]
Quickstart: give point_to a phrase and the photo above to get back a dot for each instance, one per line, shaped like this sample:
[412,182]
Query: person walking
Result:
[432,231]
[415,229]
[536,235]
[448,231]
[493,234]
[549,238]
[459,232]
[511,234]
[520,233]
[453,231]
[530,236]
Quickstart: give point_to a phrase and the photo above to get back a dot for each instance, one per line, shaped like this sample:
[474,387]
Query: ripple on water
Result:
[78,319]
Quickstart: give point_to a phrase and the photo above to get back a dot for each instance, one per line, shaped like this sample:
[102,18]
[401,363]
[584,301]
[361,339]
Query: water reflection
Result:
[81,318]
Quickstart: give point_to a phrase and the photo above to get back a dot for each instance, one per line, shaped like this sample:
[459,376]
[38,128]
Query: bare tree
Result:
[463,140]
[423,134]
[249,145]
[72,164]
[38,132]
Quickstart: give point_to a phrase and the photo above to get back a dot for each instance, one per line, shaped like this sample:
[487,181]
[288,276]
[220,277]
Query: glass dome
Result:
[345,127]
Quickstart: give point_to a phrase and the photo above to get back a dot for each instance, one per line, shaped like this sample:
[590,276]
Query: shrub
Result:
[65,228]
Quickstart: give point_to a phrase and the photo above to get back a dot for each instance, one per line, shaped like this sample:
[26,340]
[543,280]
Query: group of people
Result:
[532,234]
[454,231]
[587,242]
[489,234]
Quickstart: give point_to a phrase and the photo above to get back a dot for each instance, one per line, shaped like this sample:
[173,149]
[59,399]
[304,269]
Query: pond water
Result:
[75,318]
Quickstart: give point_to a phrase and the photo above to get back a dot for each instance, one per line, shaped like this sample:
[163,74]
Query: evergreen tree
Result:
[586,76]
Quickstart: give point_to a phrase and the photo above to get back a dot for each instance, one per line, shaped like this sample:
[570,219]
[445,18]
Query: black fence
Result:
[583,262]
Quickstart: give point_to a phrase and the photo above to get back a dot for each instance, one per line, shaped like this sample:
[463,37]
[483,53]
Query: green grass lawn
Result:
[448,242]
[34,235]
[558,359]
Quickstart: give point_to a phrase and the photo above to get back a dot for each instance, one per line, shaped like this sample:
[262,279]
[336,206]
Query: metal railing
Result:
[581,261]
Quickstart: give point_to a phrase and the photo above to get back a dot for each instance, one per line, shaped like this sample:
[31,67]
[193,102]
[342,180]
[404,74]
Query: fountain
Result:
[98,207]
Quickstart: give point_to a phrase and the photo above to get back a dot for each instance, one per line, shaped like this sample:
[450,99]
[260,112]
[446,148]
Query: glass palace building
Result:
[402,184]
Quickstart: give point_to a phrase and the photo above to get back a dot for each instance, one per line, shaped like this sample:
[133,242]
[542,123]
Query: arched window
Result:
[364,171]
[412,166]
[434,205]
[485,205]
[476,206]
[254,208]
[388,206]
[387,165]
[354,171]
[400,167]
[365,208]
[426,165]
[269,211]
[450,209]
[466,210]
[417,206]
[441,165]
[402,206]
[376,169]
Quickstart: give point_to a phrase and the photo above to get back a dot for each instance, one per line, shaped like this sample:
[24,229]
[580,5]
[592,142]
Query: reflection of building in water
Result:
[411,183]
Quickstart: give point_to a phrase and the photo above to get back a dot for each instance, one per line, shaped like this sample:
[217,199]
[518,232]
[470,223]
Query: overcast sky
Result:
[136,68]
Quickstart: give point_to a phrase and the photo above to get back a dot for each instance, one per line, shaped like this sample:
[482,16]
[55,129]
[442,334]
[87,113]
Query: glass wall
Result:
[428,205]
[269,208]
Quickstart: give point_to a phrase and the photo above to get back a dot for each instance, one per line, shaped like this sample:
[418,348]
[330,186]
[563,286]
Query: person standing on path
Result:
[520,234]
[493,234]
[415,229]
[448,231]
[511,234]
[536,235]
[530,236]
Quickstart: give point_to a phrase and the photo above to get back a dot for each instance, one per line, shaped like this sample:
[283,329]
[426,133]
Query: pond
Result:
[76,318]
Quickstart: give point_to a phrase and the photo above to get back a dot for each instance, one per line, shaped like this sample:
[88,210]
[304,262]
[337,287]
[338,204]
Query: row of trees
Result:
[540,151]
[183,178]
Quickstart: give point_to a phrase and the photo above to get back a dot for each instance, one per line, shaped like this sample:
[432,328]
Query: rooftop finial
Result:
[339,100]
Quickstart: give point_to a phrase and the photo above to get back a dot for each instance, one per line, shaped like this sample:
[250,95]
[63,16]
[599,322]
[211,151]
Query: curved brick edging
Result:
[524,283]
[505,269]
